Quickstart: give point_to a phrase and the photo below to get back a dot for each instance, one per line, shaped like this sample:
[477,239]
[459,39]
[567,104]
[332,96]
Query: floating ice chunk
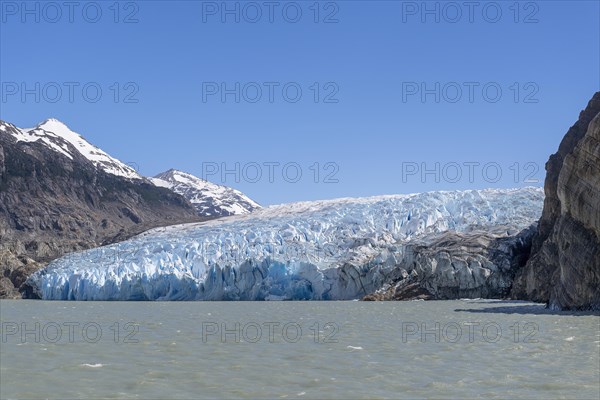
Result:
[92,365]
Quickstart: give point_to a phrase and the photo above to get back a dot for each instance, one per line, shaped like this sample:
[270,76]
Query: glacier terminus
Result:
[321,250]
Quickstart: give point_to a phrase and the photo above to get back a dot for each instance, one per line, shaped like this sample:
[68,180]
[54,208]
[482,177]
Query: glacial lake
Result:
[307,350]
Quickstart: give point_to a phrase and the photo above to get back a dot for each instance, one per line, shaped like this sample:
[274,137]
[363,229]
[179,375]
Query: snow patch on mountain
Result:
[210,199]
[335,249]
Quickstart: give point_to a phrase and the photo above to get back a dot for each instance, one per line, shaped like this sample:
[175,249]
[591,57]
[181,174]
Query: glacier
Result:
[321,250]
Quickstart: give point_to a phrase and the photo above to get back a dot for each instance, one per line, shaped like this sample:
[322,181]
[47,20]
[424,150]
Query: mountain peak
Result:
[170,173]
[57,136]
[177,176]
[210,199]
[51,120]
[53,125]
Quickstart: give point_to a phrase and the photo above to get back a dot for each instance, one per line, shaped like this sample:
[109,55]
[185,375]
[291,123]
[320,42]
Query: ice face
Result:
[335,249]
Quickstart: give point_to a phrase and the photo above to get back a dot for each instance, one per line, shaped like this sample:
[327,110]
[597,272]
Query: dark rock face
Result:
[458,265]
[564,267]
[51,205]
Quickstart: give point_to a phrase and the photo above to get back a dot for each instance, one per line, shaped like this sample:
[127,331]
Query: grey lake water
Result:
[324,350]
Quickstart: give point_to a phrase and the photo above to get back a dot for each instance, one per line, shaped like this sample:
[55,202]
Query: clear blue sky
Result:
[374,57]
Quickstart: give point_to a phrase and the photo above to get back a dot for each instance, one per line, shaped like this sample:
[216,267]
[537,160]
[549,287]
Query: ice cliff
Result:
[334,249]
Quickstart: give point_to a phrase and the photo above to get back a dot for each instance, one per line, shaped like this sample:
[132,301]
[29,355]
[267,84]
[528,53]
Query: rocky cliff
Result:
[55,202]
[564,266]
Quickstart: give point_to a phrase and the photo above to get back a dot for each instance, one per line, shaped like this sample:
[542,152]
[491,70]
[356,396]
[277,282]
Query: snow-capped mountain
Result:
[59,194]
[210,199]
[58,137]
[336,249]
